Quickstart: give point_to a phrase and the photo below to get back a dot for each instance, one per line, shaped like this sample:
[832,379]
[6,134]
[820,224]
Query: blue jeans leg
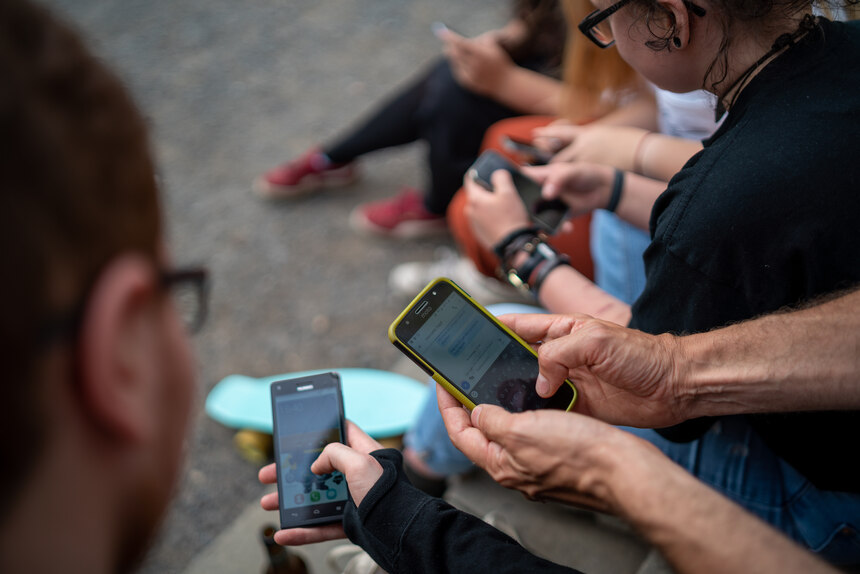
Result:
[732,459]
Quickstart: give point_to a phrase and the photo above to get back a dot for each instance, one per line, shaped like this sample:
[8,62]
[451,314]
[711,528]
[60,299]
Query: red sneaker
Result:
[403,216]
[310,172]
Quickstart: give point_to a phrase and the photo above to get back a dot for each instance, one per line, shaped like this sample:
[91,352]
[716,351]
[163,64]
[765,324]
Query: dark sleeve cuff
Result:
[405,530]
[379,526]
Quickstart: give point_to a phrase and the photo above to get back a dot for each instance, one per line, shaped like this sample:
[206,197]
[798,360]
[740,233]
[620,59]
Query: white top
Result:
[688,116]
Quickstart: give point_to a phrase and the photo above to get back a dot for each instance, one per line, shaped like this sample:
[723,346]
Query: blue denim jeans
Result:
[732,459]
[616,248]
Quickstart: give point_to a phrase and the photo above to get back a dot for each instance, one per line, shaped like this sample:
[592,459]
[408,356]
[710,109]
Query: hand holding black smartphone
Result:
[308,414]
[548,214]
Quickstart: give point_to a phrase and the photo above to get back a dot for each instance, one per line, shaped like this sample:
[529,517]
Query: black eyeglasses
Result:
[596,26]
[188,287]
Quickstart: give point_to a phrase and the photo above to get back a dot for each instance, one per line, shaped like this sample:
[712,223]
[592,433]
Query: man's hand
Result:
[623,376]
[494,214]
[360,469]
[545,454]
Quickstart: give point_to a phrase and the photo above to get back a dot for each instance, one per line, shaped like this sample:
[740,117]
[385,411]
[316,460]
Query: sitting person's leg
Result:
[616,249]
[734,460]
[452,120]
[395,122]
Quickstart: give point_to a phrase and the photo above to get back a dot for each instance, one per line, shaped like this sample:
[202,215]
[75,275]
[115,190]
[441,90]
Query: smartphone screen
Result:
[465,345]
[530,153]
[548,213]
[307,415]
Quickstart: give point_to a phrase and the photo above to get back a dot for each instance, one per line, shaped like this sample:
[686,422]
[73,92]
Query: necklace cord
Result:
[784,41]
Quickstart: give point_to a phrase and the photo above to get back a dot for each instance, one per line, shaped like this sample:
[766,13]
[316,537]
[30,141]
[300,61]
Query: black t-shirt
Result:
[766,216]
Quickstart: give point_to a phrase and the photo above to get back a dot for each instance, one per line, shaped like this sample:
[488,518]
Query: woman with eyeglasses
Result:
[763,218]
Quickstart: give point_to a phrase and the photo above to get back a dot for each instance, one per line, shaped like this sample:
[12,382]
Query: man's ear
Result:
[678,18]
[115,361]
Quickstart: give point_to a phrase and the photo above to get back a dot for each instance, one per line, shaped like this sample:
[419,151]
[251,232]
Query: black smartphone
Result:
[530,153]
[548,214]
[470,353]
[307,413]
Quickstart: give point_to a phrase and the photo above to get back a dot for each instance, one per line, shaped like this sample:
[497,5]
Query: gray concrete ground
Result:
[232,87]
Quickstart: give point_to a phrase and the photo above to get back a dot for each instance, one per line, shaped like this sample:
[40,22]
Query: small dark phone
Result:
[530,153]
[307,413]
[548,214]
[470,353]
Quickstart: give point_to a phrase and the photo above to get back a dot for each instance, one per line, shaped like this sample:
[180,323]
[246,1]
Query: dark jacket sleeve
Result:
[406,530]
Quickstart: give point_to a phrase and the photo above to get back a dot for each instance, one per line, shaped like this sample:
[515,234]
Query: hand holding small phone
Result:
[307,415]
[360,469]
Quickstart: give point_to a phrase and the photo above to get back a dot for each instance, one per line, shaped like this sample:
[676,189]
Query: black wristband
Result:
[617,188]
[501,247]
[545,270]
[538,253]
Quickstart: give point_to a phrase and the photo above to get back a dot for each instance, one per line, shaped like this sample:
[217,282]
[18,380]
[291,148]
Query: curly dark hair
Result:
[730,13]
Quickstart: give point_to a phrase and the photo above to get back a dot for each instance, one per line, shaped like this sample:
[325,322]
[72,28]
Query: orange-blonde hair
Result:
[595,79]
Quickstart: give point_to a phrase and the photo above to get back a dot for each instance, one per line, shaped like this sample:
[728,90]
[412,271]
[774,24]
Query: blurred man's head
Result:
[97,379]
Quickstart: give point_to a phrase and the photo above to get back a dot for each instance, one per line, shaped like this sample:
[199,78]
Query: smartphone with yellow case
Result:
[470,353]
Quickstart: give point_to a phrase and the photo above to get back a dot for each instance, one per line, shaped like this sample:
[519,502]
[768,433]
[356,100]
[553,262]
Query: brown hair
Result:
[595,78]
[731,13]
[77,188]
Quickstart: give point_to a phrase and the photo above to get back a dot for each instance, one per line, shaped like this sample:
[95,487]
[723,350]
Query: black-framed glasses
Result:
[596,26]
[187,286]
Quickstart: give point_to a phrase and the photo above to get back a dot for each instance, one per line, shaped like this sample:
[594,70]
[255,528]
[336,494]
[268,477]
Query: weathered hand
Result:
[623,376]
[544,454]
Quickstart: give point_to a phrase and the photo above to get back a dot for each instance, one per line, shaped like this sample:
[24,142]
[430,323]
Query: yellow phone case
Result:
[446,384]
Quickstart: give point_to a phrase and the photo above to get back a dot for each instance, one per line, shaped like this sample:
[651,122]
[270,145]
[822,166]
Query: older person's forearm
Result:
[800,360]
[695,528]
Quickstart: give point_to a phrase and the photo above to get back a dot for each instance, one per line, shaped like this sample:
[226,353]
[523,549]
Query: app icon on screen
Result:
[315,496]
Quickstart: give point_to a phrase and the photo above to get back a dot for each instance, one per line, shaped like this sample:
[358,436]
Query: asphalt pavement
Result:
[231,88]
